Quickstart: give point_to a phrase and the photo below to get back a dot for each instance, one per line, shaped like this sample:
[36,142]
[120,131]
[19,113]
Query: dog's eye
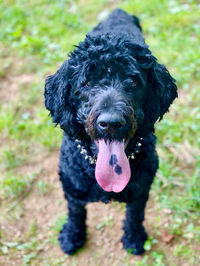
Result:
[87,84]
[134,83]
[77,93]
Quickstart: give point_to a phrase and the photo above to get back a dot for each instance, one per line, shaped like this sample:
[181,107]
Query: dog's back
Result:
[120,23]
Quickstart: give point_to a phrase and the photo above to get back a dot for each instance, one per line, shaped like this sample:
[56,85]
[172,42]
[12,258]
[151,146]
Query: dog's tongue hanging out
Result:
[112,170]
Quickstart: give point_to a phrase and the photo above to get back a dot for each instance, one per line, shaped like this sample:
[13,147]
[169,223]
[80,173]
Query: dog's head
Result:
[110,91]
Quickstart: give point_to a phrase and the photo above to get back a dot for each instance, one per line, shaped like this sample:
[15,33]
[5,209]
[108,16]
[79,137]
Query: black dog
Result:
[107,98]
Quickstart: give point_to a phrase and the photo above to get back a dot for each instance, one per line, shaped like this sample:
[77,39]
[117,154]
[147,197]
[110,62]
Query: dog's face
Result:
[110,101]
[109,91]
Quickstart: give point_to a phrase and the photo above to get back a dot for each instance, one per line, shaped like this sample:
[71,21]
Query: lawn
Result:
[35,38]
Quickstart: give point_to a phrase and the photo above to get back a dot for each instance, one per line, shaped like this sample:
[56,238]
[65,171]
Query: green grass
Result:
[35,38]
[14,185]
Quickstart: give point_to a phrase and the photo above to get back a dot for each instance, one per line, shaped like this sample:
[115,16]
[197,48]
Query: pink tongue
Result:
[112,170]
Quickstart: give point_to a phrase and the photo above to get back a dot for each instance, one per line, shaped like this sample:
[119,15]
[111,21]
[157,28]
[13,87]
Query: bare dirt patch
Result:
[11,86]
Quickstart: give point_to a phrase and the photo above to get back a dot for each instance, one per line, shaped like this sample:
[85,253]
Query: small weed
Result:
[32,230]
[119,206]
[107,222]
[158,258]
[11,160]
[143,262]
[42,187]
[56,228]
[149,242]
[61,220]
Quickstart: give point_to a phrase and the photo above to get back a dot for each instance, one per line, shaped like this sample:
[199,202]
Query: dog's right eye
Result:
[134,83]
[77,93]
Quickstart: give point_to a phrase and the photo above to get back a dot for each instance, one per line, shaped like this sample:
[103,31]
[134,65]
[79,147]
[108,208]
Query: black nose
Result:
[110,121]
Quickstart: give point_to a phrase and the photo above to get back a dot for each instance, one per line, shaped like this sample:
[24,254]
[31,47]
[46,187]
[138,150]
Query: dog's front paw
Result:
[71,239]
[133,241]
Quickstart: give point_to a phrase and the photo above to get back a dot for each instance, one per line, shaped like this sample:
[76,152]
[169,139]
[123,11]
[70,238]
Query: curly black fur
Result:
[111,71]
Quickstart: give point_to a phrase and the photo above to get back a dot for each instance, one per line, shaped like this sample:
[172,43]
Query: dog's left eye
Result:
[87,84]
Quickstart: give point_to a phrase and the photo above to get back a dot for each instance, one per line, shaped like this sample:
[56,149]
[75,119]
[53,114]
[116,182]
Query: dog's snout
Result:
[110,121]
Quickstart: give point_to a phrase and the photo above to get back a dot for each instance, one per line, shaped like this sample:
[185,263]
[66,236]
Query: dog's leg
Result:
[73,233]
[134,232]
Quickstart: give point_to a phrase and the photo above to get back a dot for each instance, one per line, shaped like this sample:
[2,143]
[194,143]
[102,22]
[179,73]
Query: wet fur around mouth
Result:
[112,70]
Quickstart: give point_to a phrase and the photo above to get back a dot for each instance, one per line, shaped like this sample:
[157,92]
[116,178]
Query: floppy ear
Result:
[162,91]
[57,100]
[160,86]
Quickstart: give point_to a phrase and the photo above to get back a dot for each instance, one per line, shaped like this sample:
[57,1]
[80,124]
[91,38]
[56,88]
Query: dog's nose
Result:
[110,121]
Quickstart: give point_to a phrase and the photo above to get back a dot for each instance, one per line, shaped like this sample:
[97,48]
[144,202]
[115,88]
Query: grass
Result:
[35,38]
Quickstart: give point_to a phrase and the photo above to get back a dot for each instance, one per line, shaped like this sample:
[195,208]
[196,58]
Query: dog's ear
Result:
[57,100]
[161,87]
[162,91]
[165,85]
